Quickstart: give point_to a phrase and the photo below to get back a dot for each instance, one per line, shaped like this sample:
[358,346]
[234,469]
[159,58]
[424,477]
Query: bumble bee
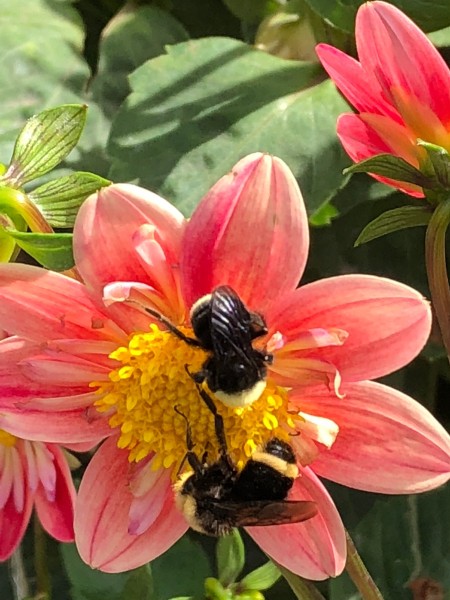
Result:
[235,371]
[215,498]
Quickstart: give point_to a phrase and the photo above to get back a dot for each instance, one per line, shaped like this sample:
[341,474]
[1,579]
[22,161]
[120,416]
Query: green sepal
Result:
[393,167]
[230,553]
[262,578]
[394,220]
[51,250]
[60,199]
[440,159]
[46,139]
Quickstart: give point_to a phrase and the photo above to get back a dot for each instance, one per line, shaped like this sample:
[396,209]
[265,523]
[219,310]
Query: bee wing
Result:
[267,512]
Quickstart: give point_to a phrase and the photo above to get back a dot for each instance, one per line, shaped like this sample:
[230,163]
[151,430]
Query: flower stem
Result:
[304,590]
[18,575]
[359,574]
[43,581]
[437,268]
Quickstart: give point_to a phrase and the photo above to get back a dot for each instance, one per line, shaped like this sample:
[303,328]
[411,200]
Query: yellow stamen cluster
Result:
[7,439]
[151,381]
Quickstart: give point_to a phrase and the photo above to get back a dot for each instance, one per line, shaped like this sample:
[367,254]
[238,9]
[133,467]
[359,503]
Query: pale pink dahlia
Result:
[90,364]
[33,474]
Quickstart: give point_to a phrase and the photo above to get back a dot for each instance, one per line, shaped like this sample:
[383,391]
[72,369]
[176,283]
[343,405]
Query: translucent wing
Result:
[264,512]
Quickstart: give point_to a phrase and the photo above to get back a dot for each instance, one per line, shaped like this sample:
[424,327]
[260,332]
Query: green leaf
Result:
[401,540]
[252,11]
[393,167]
[51,250]
[174,573]
[230,554]
[262,578]
[59,199]
[90,584]
[196,111]
[131,38]
[139,585]
[394,220]
[324,216]
[43,66]
[440,38]
[44,142]
[428,14]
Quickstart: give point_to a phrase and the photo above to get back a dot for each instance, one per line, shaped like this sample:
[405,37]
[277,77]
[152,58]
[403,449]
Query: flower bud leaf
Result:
[46,139]
[51,250]
[262,578]
[230,553]
[440,159]
[395,168]
[394,220]
[60,199]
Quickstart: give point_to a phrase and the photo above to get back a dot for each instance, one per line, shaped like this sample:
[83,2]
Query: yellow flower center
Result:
[7,439]
[151,381]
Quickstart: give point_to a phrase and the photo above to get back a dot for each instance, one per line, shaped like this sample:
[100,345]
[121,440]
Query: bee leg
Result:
[190,455]
[156,315]
[218,420]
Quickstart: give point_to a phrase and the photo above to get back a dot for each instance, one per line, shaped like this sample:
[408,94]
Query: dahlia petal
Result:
[102,516]
[63,370]
[317,547]
[163,266]
[319,429]
[66,427]
[58,403]
[148,503]
[356,84]
[7,475]
[362,141]
[56,515]
[13,524]
[290,370]
[259,195]
[387,442]
[387,322]
[19,487]
[50,306]
[15,387]
[401,56]
[141,296]
[104,230]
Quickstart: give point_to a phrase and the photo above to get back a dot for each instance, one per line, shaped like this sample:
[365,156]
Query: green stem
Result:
[437,269]
[359,574]
[303,590]
[18,575]
[18,202]
[43,581]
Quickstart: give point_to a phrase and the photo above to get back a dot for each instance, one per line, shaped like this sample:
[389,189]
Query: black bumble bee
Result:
[215,498]
[234,371]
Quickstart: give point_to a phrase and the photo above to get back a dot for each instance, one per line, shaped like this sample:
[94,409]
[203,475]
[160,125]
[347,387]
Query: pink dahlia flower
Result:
[400,87]
[87,363]
[33,474]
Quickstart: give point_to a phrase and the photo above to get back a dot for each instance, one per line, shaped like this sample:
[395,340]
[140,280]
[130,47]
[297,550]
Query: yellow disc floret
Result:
[152,379]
